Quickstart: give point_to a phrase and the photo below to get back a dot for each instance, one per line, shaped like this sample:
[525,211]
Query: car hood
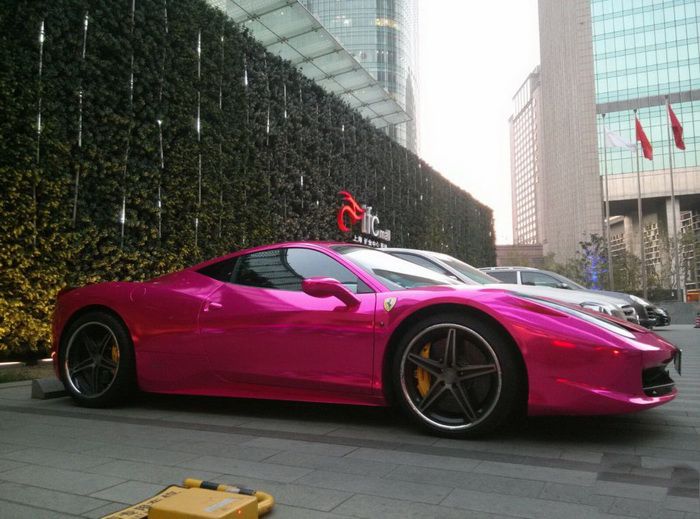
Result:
[559,294]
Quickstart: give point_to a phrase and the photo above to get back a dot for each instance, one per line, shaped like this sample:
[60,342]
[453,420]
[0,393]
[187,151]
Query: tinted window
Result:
[539,279]
[222,271]
[285,269]
[507,276]
[394,273]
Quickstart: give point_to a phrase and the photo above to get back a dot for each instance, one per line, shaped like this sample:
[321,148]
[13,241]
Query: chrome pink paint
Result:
[196,335]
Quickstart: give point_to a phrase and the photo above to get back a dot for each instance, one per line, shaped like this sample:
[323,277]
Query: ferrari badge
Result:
[389,303]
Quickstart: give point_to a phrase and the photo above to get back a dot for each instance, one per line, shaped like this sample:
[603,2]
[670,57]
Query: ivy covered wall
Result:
[138,142]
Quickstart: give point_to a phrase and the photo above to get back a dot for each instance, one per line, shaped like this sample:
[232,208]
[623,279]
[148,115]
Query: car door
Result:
[260,328]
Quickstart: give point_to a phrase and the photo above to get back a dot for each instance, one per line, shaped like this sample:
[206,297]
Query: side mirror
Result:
[329,287]
[563,285]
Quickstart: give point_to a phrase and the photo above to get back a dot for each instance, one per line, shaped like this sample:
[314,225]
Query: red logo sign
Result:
[350,208]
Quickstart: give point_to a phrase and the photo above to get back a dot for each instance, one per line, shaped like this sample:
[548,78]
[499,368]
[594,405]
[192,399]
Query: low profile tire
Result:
[458,376]
[97,360]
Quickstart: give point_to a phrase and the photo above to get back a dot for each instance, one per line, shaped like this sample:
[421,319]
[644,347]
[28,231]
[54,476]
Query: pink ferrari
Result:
[342,323]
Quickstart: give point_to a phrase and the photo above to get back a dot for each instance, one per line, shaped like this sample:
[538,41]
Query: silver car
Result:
[456,269]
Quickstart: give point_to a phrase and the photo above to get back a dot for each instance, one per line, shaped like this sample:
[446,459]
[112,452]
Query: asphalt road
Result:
[321,461]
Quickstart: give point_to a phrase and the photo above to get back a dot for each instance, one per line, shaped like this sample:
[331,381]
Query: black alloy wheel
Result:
[457,376]
[97,360]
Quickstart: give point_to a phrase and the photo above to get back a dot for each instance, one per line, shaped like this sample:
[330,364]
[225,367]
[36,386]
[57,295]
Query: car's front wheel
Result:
[97,360]
[458,376]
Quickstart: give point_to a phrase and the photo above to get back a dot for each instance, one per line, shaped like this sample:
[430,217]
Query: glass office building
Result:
[645,51]
[382,35]
[601,60]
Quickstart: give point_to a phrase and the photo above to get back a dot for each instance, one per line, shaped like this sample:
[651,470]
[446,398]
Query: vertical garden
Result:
[141,137]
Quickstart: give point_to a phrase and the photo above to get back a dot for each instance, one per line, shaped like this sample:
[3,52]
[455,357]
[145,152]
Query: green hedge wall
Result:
[99,129]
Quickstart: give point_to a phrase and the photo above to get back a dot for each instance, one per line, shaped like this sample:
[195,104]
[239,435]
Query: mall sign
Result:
[351,212]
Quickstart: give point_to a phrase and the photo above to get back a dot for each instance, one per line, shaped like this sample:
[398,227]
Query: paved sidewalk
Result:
[319,461]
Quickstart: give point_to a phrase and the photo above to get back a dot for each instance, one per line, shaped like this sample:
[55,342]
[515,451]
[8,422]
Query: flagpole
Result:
[641,227]
[676,254]
[611,275]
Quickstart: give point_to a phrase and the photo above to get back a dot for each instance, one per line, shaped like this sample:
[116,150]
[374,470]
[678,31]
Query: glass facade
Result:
[382,36]
[644,50]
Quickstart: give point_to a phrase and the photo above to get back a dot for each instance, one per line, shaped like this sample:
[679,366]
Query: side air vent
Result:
[656,381]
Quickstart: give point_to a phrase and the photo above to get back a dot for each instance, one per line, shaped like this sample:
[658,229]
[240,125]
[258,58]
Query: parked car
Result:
[343,323]
[659,314]
[539,277]
[452,267]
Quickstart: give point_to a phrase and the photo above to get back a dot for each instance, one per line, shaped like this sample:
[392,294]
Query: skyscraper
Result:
[525,134]
[382,35]
[612,57]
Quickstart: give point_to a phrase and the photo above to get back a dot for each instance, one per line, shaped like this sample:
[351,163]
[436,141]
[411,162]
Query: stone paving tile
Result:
[48,499]
[6,465]
[107,509]
[469,481]
[682,504]
[375,507]
[243,468]
[291,512]
[58,479]
[574,477]
[585,456]
[57,459]
[522,507]
[236,451]
[643,492]
[643,509]
[394,436]
[321,499]
[280,444]
[132,452]
[151,473]
[415,459]
[18,511]
[575,494]
[270,424]
[128,492]
[6,448]
[333,463]
[424,493]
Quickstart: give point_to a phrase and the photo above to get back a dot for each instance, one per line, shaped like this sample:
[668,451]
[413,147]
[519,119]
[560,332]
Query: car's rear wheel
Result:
[458,376]
[97,360]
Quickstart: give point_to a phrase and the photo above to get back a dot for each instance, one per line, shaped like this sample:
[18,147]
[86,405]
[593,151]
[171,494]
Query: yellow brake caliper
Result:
[422,376]
[115,354]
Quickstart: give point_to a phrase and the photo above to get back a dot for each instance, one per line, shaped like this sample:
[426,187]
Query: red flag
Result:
[642,137]
[677,129]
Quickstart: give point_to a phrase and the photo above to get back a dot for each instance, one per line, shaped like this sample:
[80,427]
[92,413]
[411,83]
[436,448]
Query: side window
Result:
[221,271]
[539,279]
[419,260]
[507,276]
[285,269]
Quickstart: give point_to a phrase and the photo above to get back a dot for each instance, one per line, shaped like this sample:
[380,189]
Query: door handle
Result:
[213,305]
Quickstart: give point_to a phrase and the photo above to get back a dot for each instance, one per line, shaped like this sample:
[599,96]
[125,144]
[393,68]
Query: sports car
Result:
[343,323]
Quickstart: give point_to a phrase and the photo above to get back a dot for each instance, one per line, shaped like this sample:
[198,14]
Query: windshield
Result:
[570,282]
[467,270]
[394,273]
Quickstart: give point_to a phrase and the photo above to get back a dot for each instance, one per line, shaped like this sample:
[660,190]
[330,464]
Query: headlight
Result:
[639,300]
[604,308]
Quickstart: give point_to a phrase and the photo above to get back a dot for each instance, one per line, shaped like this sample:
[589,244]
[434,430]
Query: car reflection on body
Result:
[539,277]
[452,267]
[342,323]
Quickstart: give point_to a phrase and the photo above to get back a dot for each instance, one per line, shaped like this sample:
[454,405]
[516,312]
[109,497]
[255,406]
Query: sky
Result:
[473,57]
